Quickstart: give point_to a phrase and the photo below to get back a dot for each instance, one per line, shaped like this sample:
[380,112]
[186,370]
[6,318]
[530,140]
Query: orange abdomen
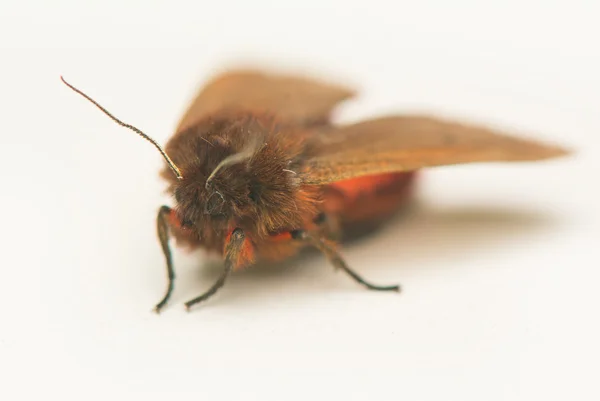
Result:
[368,200]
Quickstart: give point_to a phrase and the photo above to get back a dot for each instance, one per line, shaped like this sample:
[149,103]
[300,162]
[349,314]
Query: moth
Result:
[258,170]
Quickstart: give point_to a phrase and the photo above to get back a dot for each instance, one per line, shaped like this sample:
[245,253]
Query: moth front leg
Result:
[162,228]
[238,252]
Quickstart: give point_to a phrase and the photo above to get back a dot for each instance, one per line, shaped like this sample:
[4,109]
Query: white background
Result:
[499,264]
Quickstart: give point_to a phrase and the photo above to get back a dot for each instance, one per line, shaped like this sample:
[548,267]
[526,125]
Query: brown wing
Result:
[293,99]
[404,143]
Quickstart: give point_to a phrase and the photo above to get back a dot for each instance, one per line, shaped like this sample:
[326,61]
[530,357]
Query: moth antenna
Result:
[131,127]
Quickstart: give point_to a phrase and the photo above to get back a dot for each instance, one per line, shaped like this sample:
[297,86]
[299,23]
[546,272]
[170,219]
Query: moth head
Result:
[236,173]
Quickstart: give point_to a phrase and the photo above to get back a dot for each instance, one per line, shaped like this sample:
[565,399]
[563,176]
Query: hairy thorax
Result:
[239,170]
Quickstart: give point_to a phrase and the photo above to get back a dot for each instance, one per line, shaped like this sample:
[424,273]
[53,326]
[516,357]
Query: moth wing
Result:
[405,143]
[293,99]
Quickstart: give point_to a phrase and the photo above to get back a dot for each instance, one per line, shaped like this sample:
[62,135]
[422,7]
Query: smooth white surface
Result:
[500,266]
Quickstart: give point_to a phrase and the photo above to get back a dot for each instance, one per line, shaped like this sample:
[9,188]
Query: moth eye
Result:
[320,219]
[178,196]
[187,223]
[253,194]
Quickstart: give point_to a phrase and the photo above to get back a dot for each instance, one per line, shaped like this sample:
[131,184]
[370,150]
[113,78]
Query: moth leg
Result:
[232,253]
[336,259]
[162,227]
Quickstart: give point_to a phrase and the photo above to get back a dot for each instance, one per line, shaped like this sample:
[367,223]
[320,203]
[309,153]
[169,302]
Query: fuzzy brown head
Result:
[238,170]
